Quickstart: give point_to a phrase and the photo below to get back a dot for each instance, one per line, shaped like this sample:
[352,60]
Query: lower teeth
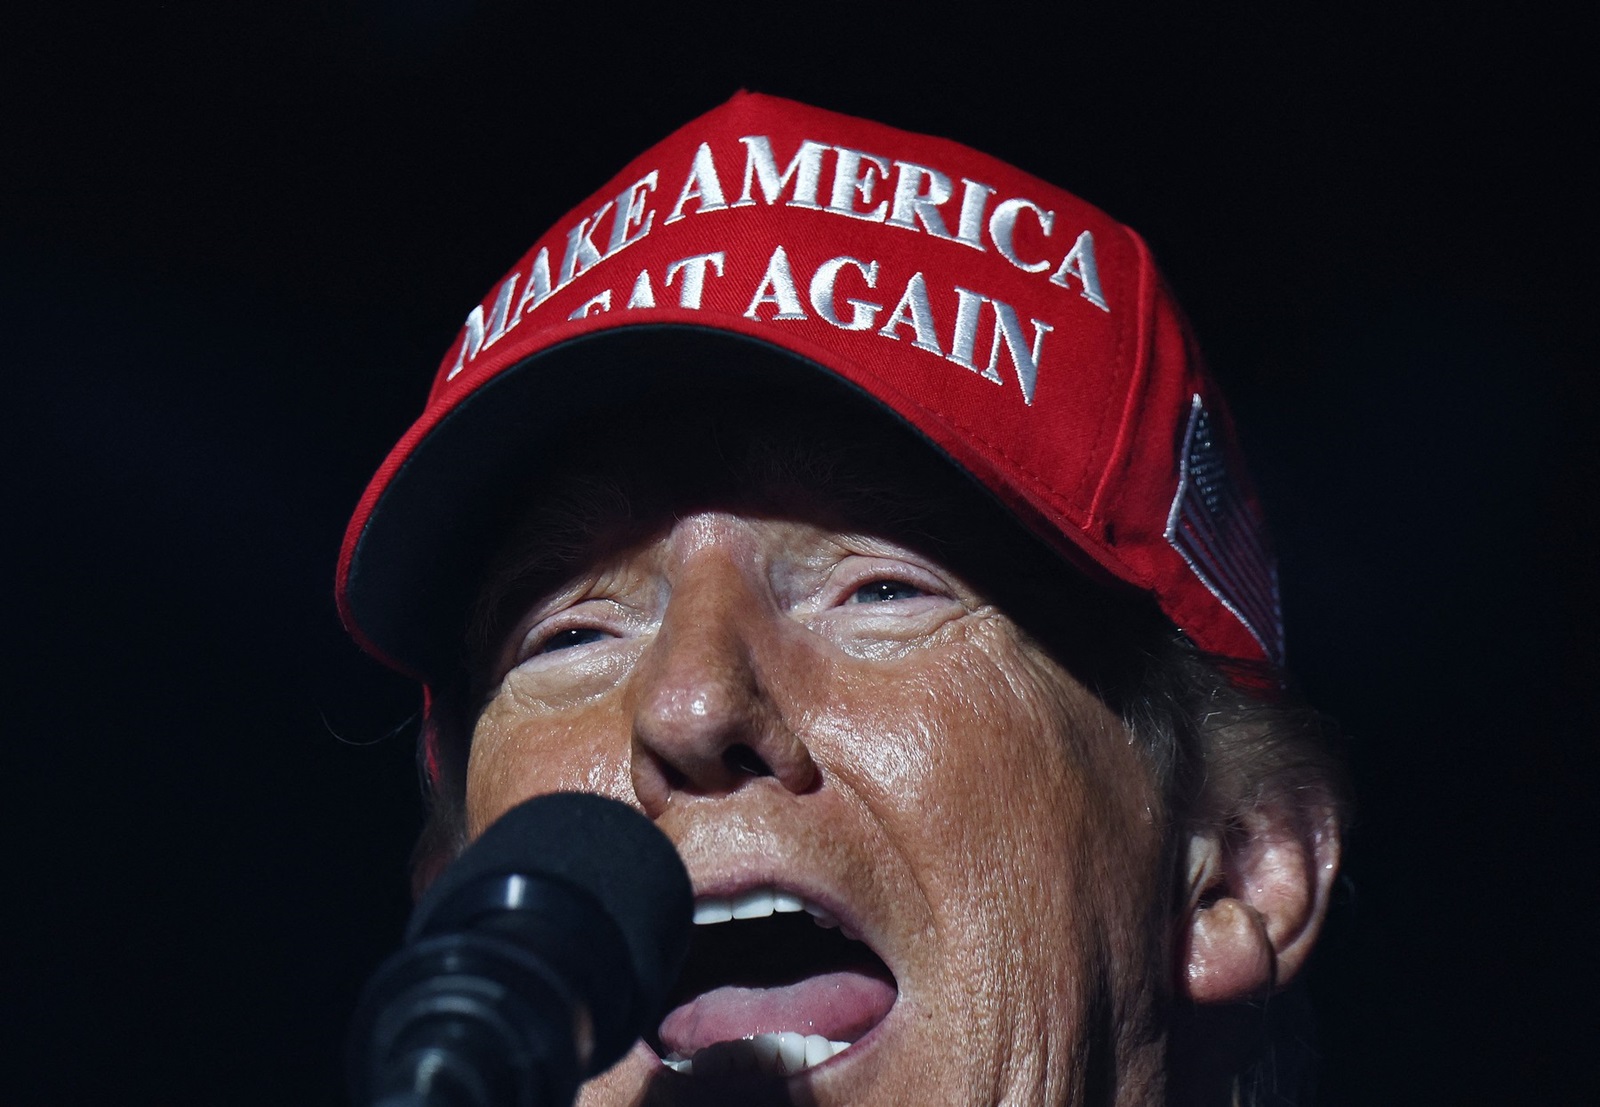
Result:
[778,1054]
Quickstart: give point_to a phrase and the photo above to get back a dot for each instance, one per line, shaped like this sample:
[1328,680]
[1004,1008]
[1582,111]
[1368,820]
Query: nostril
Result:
[742,759]
[676,778]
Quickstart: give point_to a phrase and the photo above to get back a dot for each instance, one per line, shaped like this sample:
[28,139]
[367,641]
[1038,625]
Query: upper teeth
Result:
[756,904]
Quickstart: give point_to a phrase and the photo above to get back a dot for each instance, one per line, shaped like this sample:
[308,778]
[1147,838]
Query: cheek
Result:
[958,749]
[1010,791]
[517,754]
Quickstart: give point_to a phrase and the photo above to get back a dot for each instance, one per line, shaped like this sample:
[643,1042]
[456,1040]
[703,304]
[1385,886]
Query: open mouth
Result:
[772,985]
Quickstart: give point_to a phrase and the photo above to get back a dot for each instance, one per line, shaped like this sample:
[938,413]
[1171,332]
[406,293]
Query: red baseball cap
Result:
[1023,333]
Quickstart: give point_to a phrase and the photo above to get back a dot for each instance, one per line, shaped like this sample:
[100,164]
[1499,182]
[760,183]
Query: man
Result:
[855,506]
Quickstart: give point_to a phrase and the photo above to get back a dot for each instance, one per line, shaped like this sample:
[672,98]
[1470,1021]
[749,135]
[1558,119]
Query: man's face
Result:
[948,841]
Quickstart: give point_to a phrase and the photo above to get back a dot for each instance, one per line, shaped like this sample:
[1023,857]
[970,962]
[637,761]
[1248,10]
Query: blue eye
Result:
[882,591]
[569,638]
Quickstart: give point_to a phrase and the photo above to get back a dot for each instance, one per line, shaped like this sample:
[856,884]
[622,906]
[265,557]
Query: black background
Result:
[237,237]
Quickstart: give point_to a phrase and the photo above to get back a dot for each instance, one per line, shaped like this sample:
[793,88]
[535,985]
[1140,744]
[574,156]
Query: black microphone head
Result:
[599,845]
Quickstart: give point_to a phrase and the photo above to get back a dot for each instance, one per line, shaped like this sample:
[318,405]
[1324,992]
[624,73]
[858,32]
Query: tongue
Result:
[841,1006]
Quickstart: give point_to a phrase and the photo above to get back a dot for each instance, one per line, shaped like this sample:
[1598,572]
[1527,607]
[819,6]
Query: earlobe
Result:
[1256,899]
[1229,956]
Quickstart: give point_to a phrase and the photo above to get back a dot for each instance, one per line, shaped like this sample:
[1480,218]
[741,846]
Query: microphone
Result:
[534,962]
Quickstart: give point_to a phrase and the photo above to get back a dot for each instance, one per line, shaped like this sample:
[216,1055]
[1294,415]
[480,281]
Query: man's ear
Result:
[1257,894]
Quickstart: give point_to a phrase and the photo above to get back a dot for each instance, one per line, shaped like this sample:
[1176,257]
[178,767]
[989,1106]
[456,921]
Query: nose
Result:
[705,720]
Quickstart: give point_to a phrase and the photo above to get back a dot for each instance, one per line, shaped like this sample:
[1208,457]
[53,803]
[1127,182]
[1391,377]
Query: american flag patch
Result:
[1220,533]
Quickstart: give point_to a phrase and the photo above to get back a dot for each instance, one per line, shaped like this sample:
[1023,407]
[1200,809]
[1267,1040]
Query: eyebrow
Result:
[578,516]
[570,525]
